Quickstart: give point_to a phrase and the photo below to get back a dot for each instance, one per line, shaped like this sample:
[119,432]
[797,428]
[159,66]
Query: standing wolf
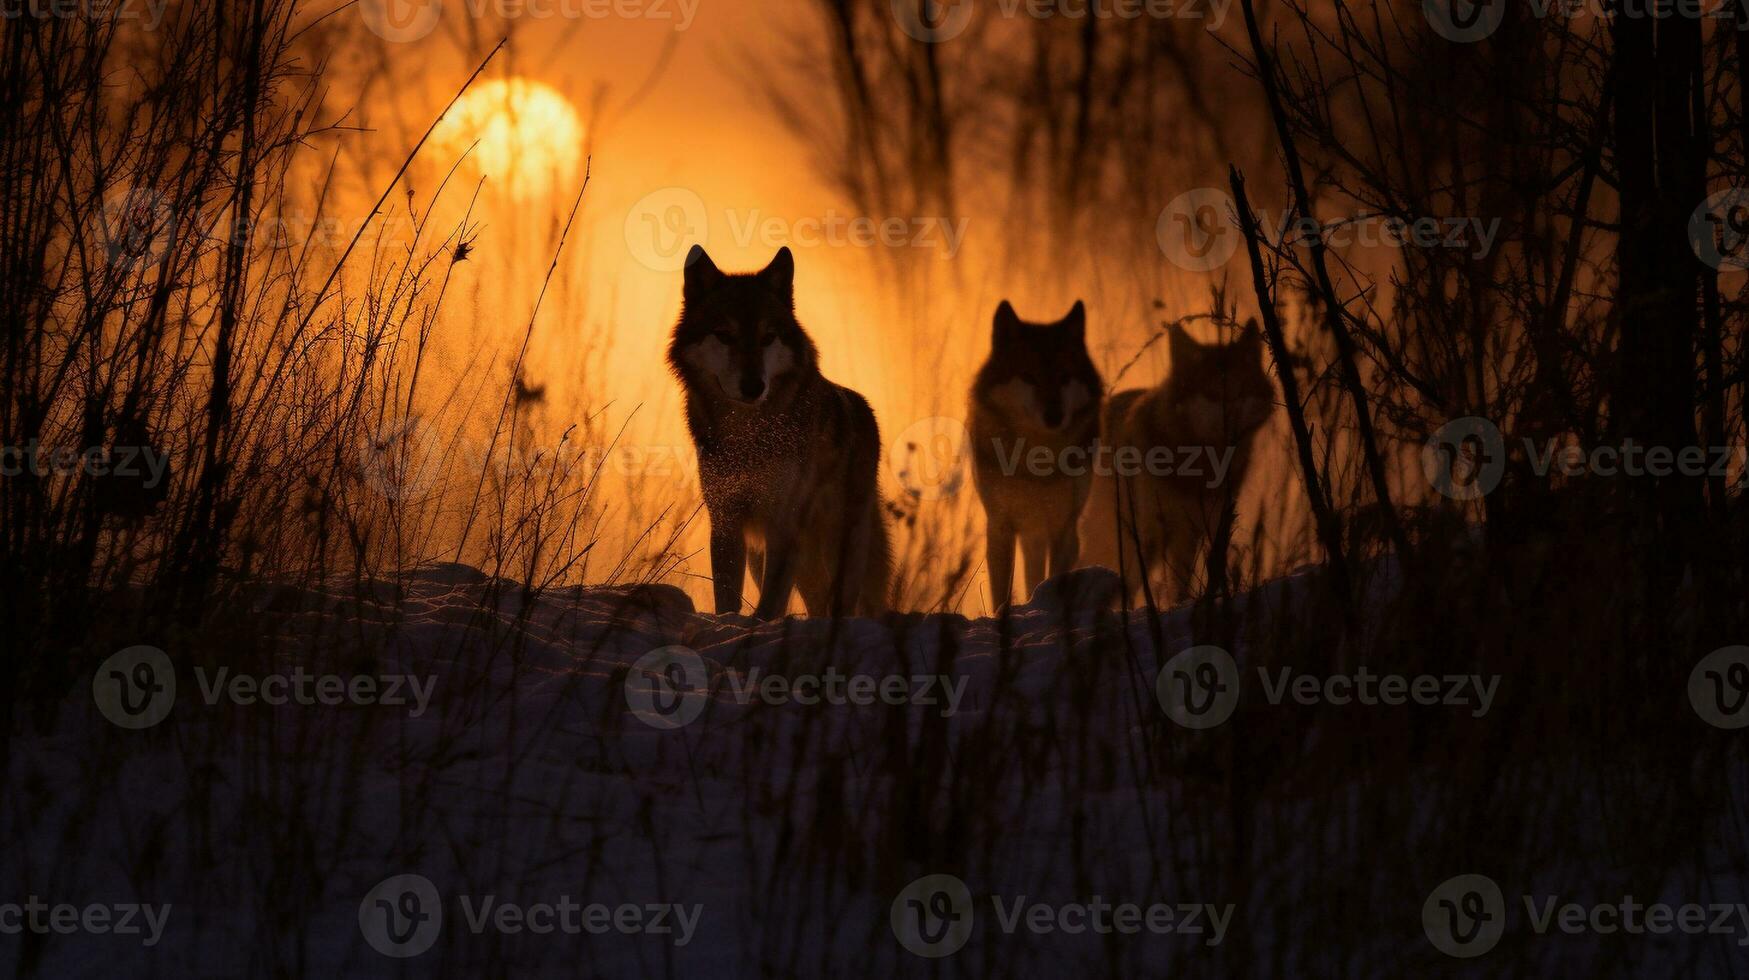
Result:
[1203,418]
[788,461]
[1038,389]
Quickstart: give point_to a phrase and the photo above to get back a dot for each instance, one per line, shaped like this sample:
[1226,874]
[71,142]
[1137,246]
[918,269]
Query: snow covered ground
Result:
[608,783]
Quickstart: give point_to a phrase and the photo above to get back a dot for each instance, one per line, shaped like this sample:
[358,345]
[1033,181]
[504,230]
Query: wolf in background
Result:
[788,461]
[1039,388]
[1215,400]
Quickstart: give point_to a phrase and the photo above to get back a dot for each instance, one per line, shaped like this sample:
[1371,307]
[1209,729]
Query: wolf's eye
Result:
[768,340]
[724,337]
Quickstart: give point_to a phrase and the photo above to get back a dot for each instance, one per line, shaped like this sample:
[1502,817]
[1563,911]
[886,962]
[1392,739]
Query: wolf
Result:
[1212,405]
[788,461]
[1039,388]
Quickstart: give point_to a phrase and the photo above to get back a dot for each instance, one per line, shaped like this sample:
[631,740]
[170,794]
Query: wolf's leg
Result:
[1037,547]
[1182,543]
[850,568]
[780,574]
[1137,543]
[1066,550]
[999,559]
[1097,526]
[728,565]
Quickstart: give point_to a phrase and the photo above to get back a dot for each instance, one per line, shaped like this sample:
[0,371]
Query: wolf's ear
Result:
[780,275]
[1076,322]
[1251,336]
[702,275]
[1007,325]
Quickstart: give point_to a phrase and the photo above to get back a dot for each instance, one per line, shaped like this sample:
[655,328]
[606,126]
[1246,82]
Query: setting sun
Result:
[529,136]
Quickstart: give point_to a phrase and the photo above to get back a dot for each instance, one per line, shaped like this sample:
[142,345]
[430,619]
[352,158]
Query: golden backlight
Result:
[529,138]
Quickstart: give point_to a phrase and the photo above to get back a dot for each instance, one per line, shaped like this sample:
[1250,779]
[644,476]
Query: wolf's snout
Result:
[1053,417]
[752,388]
